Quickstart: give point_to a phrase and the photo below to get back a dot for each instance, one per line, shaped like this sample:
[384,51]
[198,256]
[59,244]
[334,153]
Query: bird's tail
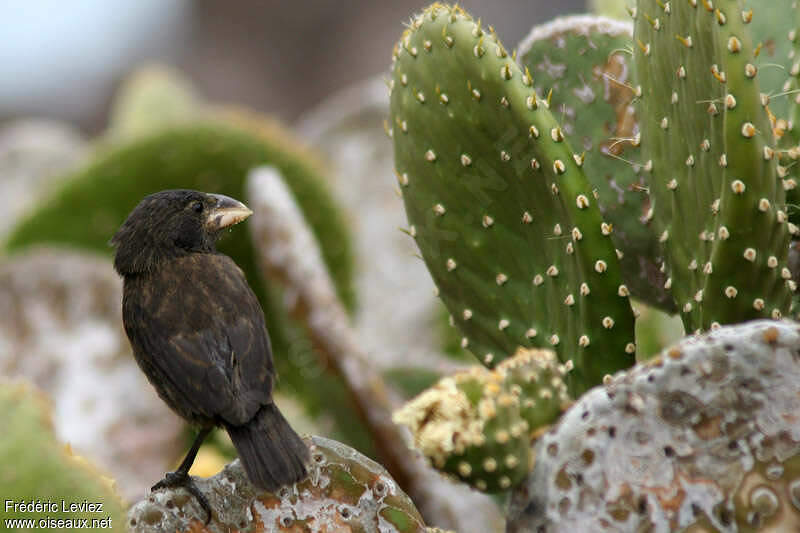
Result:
[271,452]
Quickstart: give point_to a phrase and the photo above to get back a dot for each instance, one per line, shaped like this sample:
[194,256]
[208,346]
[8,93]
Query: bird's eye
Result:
[197,207]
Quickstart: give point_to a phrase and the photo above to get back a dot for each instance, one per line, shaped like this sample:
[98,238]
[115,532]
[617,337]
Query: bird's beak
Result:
[226,212]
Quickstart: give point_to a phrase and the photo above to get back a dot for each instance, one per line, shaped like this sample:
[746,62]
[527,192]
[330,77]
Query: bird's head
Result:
[170,224]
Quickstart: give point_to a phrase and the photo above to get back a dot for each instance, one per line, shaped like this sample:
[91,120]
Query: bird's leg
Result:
[181,477]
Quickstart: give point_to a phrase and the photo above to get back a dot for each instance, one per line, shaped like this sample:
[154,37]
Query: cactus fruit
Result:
[535,378]
[498,203]
[344,491]
[706,140]
[581,63]
[477,424]
[707,434]
[470,428]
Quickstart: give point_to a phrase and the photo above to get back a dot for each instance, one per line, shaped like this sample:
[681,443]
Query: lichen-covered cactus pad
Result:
[477,425]
[497,201]
[344,492]
[707,434]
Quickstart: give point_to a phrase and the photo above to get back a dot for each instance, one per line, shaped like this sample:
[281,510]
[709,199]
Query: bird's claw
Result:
[181,479]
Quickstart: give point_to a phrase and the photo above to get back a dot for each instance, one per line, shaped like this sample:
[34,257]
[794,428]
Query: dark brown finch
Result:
[198,333]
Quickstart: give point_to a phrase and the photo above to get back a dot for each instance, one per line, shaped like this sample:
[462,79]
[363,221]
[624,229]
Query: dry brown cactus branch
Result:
[288,253]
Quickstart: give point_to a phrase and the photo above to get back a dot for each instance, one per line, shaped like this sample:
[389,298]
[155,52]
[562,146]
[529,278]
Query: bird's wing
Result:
[202,331]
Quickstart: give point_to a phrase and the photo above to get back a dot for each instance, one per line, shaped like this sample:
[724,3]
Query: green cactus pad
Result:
[780,32]
[36,467]
[584,61]
[706,139]
[496,199]
[791,40]
[477,425]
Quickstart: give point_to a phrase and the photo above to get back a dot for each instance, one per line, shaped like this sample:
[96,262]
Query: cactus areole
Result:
[497,201]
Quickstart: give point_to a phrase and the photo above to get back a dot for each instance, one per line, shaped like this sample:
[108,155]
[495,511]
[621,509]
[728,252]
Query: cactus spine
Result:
[497,201]
[712,175]
[580,63]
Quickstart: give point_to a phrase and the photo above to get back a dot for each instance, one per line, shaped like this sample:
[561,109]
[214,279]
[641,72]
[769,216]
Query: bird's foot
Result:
[182,479]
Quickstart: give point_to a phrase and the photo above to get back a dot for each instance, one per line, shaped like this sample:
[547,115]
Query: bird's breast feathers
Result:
[195,320]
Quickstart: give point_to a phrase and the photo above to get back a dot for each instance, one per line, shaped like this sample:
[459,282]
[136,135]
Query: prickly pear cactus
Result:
[499,206]
[345,491]
[706,437]
[537,379]
[710,159]
[776,33]
[792,85]
[580,62]
[476,425]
